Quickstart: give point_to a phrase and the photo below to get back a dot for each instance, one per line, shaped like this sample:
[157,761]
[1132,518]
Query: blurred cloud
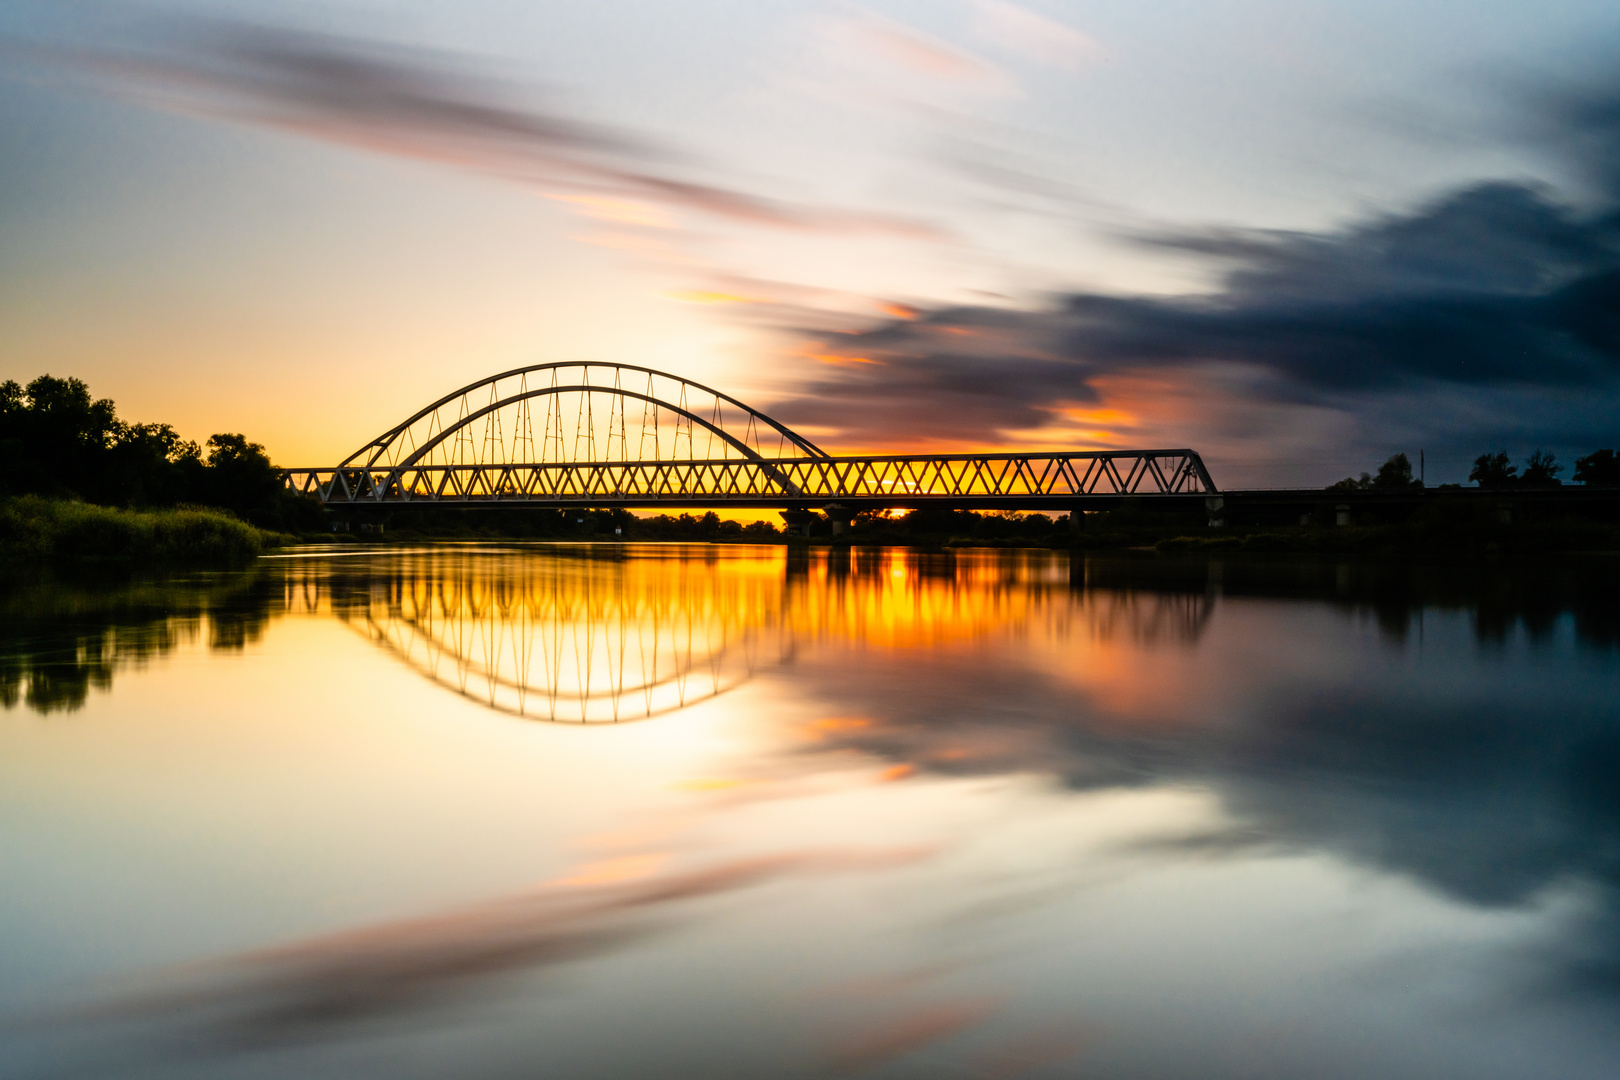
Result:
[917,52]
[417,104]
[1033,36]
[314,987]
[1496,286]
[898,1036]
[1485,313]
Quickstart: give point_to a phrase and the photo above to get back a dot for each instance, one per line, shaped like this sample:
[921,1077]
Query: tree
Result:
[240,476]
[1395,475]
[1350,483]
[1493,470]
[151,465]
[1541,469]
[1598,467]
[55,438]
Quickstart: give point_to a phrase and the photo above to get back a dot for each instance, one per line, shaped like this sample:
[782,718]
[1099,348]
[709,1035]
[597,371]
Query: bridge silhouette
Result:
[560,436]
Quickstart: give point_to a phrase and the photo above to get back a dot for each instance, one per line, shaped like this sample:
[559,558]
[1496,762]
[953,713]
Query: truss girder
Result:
[902,479]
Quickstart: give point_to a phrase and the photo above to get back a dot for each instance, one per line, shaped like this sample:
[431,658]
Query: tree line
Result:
[1496,470]
[59,442]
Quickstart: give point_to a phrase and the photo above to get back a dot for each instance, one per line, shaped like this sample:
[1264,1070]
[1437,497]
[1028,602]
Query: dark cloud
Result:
[409,103]
[1495,285]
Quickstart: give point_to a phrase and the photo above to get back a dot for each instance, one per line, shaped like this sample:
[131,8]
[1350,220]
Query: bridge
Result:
[558,436]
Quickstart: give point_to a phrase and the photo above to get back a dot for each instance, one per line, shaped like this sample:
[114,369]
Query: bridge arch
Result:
[562,435]
[493,421]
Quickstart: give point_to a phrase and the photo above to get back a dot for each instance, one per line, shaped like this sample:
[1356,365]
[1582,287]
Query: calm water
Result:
[670,811]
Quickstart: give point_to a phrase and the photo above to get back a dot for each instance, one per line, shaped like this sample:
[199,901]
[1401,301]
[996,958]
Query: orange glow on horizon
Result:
[839,360]
[700,296]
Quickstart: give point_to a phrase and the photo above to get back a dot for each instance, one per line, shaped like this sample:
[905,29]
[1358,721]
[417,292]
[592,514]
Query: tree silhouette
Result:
[1541,470]
[1598,467]
[1395,475]
[1493,470]
[56,440]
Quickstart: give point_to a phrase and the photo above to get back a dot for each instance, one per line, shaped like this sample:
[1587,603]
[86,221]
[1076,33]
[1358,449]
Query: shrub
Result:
[35,528]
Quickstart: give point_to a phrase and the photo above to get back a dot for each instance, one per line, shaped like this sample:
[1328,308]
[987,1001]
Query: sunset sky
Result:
[1295,236]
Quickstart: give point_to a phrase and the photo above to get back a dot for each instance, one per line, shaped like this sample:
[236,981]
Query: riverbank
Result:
[40,530]
[1425,539]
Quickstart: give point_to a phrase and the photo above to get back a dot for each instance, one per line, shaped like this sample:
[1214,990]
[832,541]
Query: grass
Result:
[35,529]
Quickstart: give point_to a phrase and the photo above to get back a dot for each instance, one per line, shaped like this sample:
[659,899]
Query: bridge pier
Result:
[797,522]
[840,516]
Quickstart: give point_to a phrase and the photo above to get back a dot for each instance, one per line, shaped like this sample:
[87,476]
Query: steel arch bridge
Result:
[559,436]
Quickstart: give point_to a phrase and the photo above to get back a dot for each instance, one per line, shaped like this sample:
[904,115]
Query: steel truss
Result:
[1028,481]
[477,447]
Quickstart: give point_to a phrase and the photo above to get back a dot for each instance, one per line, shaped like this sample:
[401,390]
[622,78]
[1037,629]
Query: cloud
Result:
[416,104]
[899,1036]
[1497,285]
[917,52]
[1036,37]
[319,986]
[1487,313]
[870,61]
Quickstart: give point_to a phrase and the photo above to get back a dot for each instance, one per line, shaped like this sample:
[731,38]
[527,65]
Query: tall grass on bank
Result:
[35,529]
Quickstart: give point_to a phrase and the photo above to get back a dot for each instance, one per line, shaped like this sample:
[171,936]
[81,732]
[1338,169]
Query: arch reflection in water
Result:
[609,635]
[585,639]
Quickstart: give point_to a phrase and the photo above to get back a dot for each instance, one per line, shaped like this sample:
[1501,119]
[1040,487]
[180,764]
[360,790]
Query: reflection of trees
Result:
[605,633]
[608,634]
[1500,596]
[61,637]
[1489,773]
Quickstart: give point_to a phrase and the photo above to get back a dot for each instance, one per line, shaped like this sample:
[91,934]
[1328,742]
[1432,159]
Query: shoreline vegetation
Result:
[35,529]
[77,484]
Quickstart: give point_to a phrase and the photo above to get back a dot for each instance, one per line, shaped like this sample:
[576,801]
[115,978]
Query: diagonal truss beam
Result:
[1030,480]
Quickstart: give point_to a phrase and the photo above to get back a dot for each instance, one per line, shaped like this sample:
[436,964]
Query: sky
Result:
[1297,237]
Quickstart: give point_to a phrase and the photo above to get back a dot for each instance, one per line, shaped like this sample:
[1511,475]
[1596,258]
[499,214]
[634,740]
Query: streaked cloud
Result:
[423,105]
[901,1035]
[916,52]
[1036,37]
[316,986]
[1494,289]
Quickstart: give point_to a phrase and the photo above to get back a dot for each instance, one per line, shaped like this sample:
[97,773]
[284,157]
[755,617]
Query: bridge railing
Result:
[1026,480]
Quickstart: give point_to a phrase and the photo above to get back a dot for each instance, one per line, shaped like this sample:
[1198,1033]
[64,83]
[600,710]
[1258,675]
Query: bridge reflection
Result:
[600,634]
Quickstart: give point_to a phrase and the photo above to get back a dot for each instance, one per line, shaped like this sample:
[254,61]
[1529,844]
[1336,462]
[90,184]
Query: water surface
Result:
[673,811]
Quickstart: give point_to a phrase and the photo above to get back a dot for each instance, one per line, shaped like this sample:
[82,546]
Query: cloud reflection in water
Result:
[1449,727]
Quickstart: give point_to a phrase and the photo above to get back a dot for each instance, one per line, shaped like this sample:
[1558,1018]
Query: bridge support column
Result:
[1216,508]
[1077,520]
[797,522]
[840,516]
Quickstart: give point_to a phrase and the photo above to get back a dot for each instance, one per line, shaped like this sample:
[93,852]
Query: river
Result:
[701,811]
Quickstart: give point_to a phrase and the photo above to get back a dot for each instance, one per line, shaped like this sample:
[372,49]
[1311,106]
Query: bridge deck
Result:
[978,481]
